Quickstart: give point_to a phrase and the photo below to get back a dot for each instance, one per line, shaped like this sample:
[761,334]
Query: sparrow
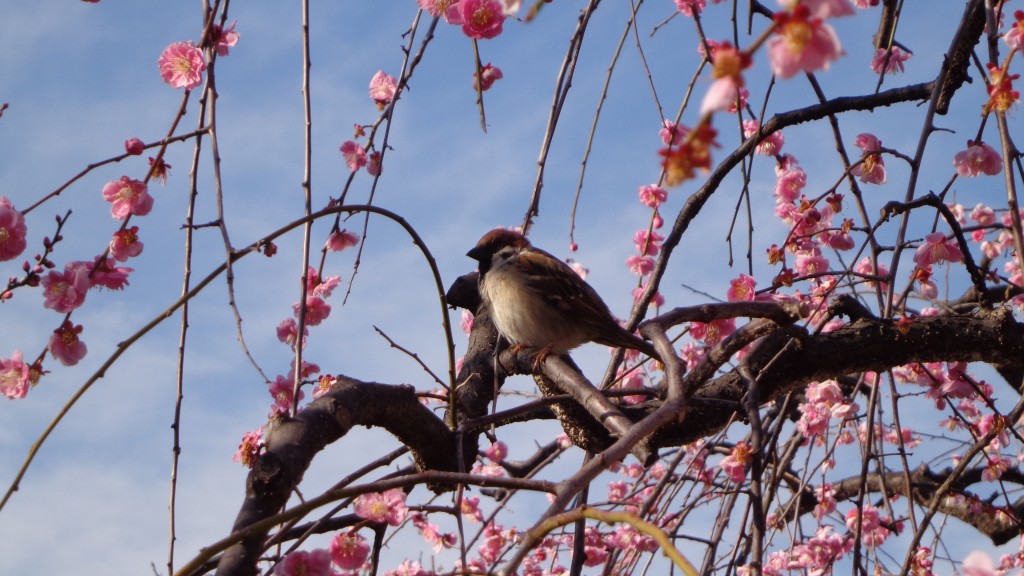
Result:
[539,301]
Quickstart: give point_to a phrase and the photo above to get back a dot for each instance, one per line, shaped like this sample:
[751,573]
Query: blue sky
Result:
[81,78]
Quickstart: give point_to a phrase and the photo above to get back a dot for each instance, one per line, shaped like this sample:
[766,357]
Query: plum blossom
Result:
[489,74]
[481,18]
[250,449]
[287,332]
[741,288]
[386,506]
[1015,34]
[770,145]
[983,215]
[281,390]
[126,244]
[407,568]
[890,61]
[382,89]
[652,195]
[496,452]
[713,332]
[355,155]
[105,273]
[301,563]
[65,291]
[1001,95]
[802,43]
[373,163]
[672,134]
[340,240]
[936,248]
[317,310]
[695,152]
[728,64]
[871,168]
[134,146]
[223,39]
[65,344]
[735,464]
[690,7]
[181,65]
[349,550]
[872,532]
[978,158]
[127,196]
[648,243]
[823,8]
[640,265]
[15,376]
[12,231]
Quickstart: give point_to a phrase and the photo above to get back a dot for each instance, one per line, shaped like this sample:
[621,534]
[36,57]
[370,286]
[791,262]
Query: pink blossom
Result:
[652,195]
[810,262]
[770,145]
[871,168]
[873,533]
[648,243]
[494,541]
[250,449]
[106,273]
[741,288]
[12,231]
[640,265]
[978,158]
[936,248]
[287,331]
[349,550]
[407,568]
[15,376]
[983,215]
[126,244]
[281,390]
[489,74]
[301,563]
[340,240]
[672,134]
[65,345]
[134,146]
[496,452]
[382,89]
[788,184]
[713,332]
[634,380]
[825,8]
[127,196]
[735,464]
[379,507]
[801,43]
[65,291]
[355,155]
[690,7]
[866,268]
[470,509]
[317,310]
[978,563]
[893,63]
[181,65]
[728,64]
[432,534]
[223,39]
[466,323]
[481,18]
[1013,36]
[373,163]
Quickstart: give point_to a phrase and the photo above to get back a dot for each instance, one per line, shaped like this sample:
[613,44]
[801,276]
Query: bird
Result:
[539,301]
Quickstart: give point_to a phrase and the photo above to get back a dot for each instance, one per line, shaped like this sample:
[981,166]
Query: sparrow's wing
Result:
[560,285]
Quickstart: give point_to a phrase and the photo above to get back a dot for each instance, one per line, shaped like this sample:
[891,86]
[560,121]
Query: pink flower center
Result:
[482,16]
[797,34]
[182,65]
[126,193]
[4,235]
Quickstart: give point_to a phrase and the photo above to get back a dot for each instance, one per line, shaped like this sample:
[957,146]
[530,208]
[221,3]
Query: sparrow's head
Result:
[494,242]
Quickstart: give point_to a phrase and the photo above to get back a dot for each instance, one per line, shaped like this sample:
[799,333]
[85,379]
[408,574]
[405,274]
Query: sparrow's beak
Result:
[476,253]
